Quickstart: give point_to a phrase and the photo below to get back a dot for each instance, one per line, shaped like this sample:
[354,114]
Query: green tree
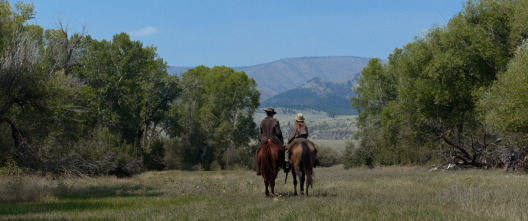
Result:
[38,104]
[216,113]
[440,76]
[375,91]
[20,87]
[506,104]
[131,88]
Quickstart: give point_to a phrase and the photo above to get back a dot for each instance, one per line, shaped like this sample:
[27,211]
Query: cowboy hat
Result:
[271,110]
[299,117]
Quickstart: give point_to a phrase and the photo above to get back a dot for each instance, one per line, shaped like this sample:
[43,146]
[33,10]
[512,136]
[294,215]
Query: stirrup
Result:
[286,167]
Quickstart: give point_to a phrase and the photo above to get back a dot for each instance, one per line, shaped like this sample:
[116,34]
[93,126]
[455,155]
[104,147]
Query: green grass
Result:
[393,193]
[337,145]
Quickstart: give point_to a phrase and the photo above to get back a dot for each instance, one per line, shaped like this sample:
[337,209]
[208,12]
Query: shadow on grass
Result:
[26,208]
[311,194]
[81,199]
[107,191]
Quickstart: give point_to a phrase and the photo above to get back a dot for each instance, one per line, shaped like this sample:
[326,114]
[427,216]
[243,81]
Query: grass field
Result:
[394,193]
[337,145]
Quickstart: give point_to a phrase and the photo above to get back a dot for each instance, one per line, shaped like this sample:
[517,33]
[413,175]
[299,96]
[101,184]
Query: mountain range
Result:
[282,75]
[322,84]
[317,94]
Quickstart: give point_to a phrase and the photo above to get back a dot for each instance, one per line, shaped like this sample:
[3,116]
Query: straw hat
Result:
[271,110]
[299,117]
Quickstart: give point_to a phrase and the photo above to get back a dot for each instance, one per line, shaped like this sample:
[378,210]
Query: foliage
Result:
[131,87]
[506,102]
[74,105]
[358,156]
[428,93]
[215,114]
[327,156]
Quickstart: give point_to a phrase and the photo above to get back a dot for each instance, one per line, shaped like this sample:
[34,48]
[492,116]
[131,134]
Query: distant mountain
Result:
[286,74]
[317,94]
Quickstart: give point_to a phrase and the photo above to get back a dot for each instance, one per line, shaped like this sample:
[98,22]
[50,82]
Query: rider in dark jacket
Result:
[269,130]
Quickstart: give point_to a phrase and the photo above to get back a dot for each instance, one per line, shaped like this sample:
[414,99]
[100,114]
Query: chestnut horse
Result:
[269,160]
[302,161]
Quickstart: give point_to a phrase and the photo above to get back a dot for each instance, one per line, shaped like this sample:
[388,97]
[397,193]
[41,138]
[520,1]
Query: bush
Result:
[106,153]
[174,154]
[356,157]
[154,159]
[328,156]
[240,157]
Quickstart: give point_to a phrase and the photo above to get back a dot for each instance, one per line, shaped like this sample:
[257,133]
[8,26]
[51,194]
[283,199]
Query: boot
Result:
[287,162]
[286,167]
[316,161]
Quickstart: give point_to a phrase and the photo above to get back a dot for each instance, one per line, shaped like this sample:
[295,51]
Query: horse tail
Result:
[307,163]
[265,159]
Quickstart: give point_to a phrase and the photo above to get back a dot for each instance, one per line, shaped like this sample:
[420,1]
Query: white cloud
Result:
[144,31]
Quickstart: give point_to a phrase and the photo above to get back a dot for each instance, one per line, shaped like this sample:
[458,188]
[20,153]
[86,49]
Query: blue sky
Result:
[248,32]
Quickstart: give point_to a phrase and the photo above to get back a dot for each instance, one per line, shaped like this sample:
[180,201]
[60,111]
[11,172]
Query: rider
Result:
[298,134]
[269,130]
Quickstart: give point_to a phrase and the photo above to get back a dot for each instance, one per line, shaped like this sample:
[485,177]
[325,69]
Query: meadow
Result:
[390,193]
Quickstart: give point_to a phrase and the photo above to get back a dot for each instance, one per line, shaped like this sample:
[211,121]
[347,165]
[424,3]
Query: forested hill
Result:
[317,94]
[286,74]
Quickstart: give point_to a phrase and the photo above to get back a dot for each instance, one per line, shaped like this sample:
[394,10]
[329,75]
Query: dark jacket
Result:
[294,133]
[270,129]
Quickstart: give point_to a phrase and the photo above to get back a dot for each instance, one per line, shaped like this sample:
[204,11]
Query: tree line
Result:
[71,104]
[457,93]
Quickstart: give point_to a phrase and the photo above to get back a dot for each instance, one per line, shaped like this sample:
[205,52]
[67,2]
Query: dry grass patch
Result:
[391,193]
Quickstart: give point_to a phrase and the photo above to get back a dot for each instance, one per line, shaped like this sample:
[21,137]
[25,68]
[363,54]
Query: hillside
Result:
[286,74]
[321,125]
[317,94]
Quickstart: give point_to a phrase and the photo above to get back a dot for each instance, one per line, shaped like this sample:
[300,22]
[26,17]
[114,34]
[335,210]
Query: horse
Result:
[302,161]
[269,160]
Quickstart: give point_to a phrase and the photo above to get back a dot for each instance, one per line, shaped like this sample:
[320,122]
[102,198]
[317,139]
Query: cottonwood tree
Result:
[441,76]
[216,113]
[506,103]
[131,88]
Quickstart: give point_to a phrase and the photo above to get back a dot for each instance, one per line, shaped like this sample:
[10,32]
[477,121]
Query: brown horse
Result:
[302,161]
[269,160]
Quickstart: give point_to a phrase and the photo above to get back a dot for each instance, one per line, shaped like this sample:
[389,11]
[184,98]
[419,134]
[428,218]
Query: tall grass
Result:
[392,193]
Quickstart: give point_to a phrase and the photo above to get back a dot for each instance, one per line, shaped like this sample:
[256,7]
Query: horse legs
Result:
[307,185]
[302,184]
[294,182]
[272,185]
[267,184]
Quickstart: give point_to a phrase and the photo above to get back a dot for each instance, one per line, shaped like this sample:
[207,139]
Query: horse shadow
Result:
[317,194]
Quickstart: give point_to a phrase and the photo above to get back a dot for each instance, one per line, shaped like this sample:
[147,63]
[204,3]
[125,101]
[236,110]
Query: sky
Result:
[238,33]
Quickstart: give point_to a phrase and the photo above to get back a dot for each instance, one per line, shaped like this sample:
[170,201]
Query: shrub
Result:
[355,157]
[328,156]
